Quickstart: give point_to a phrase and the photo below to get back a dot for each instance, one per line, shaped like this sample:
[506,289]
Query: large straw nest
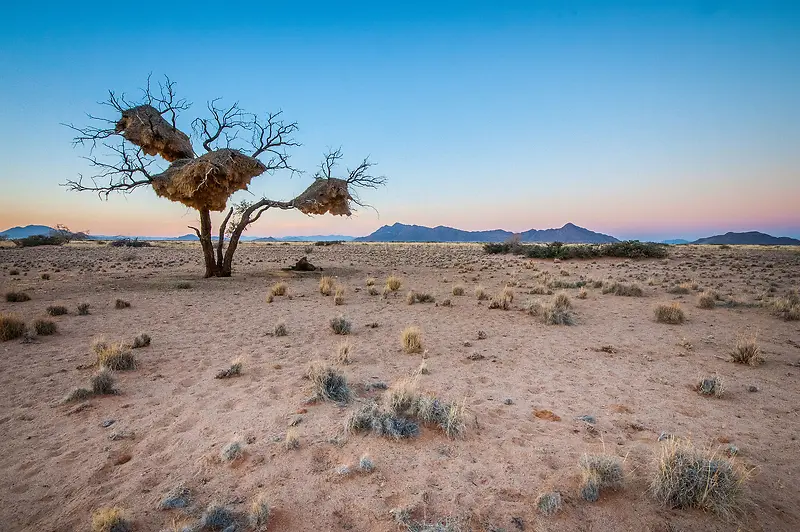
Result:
[325,196]
[144,126]
[209,180]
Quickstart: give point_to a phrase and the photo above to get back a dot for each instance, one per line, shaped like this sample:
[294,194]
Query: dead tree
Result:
[237,146]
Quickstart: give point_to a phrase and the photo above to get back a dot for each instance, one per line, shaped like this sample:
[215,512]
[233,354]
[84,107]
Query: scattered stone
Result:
[107,423]
[587,419]
[508,401]
[752,388]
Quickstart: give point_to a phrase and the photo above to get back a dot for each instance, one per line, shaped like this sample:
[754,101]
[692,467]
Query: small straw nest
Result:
[325,196]
[144,126]
[209,180]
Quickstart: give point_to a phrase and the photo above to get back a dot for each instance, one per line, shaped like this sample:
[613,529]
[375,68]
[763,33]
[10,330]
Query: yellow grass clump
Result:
[672,314]
[747,351]
[279,289]
[393,283]
[411,340]
[325,285]
[11,327]
[111,520]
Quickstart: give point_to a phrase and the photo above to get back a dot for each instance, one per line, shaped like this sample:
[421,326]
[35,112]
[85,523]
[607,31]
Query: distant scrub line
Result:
[556,250]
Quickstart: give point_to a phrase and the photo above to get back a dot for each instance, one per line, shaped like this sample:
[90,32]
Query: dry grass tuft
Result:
[706,300]
[113,356]
[292,440]
[279,289]
[11,327]
[258,516]
[371,281]
[411,340]
[17,297]
[121,304]
[458,290]
[688,478]
[45,327]
[480,293]
[622,289]
[338,295]
[671,314]
[393,283]
[83,309]
[111,520]
[232,451]
[402,395]
[57,310]
[344,353]
[328,383]
[599,472]
[787,307]
[747,351]
[582,293]
[280,329]
[217,517]
[325,285]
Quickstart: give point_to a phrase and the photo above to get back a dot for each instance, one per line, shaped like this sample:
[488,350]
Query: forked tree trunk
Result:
[212,268]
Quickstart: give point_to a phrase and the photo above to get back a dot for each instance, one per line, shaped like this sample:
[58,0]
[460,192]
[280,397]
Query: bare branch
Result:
[222,119]
[130,171]
[272,136]
[359,177]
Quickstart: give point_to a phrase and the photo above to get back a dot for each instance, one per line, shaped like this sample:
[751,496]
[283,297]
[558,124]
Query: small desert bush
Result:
[83,309]
[599,472]
[382,423]
[671,314]
[328,383]
[258,516]
[280,329]
[232,451]
[419,297]
[480,293]
[449,417]
[183,285]
[102,382]
[373,291]
[78,394]
[558,312]
[706,300]
[338,296]
[121,304]
[217,517]
[366,464]
[747,351]
[549,503]
[11,327]
[622,289]
[394,283]
[279,289]
[344,352]
[371,281]
[234,370]
[114,356]
[402,395]
[540,290]
[17,297]
[111,520]
[341,325]
[411,340]
[13,272]
[710,386]
[45,327]
[582,293]
[688,478]
[325,285]
[143,340]
[57,310]
[458,290]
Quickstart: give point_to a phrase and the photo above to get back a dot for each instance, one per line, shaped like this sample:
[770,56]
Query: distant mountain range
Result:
[569,233]
[753,238]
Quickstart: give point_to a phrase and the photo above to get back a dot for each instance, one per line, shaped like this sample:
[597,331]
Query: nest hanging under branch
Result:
[327,195]
[209,180]
[144,126]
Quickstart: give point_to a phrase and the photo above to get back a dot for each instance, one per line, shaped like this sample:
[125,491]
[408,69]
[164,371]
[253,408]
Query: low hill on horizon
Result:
[569,234]
[752,238]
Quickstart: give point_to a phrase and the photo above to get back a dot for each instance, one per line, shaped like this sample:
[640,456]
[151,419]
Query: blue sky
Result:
[638,119]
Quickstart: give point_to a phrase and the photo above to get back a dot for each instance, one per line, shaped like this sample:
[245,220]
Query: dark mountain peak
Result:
[398,232]
[753,238]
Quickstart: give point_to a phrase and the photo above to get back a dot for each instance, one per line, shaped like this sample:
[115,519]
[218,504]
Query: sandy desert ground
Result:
[172,418]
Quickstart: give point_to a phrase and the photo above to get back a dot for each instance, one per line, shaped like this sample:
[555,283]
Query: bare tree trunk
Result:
[212,270]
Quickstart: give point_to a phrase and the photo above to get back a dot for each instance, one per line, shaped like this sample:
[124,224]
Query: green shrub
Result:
[45,327]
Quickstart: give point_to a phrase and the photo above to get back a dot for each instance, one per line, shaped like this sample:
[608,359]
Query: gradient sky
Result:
[640,119]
